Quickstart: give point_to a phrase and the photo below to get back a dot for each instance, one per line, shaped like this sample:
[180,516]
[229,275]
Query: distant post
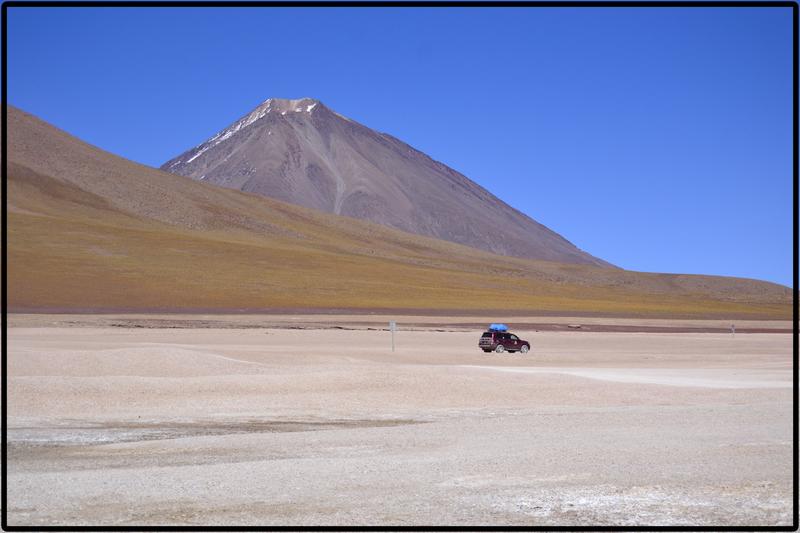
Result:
[733,330]
[392,328]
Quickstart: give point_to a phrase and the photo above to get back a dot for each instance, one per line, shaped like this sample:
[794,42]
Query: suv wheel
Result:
[524,349]
[500,348]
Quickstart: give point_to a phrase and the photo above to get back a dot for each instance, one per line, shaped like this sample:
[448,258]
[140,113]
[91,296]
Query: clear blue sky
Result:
[659,139]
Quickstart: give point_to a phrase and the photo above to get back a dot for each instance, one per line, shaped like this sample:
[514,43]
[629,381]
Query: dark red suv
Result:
[502,341]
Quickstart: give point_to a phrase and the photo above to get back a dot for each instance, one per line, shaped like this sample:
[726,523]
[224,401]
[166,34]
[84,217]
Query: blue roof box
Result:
[498,327]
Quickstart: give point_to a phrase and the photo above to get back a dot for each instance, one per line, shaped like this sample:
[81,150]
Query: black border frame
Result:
[399,4]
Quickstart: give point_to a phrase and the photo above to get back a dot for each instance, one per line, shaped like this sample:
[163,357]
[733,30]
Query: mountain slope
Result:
[88,230]
[301,152]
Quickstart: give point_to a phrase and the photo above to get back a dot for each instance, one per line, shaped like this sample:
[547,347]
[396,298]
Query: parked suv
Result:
[501,341]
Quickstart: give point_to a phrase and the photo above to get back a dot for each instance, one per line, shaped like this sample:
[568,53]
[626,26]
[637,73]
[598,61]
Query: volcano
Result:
[301,152]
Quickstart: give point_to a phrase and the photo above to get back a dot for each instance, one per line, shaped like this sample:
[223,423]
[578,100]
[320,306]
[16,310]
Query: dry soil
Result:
[147,424]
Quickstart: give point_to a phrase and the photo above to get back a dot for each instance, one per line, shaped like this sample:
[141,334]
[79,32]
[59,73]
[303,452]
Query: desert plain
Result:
[125,420]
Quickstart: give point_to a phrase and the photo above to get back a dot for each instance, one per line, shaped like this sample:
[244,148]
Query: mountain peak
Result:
[288,105]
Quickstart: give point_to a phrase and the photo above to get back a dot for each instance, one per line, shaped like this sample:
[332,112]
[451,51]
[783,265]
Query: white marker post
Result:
[392,328]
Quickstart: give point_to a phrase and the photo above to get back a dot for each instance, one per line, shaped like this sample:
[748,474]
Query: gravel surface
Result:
[218,426]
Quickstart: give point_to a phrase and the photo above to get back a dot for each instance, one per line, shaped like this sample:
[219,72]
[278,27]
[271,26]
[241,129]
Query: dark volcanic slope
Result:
[301,152]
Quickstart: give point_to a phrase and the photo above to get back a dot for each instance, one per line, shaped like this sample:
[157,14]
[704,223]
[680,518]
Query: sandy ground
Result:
[380,320]
[142,425]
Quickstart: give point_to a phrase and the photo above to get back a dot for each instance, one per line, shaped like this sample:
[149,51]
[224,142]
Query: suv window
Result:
[513,337]
[487,334]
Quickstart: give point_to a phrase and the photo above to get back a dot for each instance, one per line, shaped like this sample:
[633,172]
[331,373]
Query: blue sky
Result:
[659,139]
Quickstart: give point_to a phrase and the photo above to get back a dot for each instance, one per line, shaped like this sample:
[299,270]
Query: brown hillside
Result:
[90,230]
